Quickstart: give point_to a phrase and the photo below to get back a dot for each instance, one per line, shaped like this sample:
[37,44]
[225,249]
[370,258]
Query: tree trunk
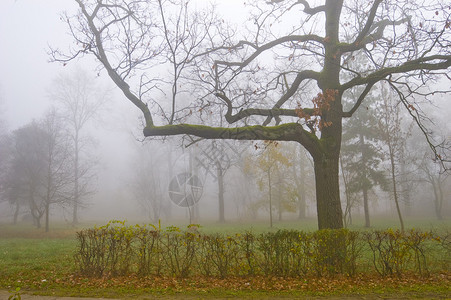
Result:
[47,209]
[16,213]
[76,181]
[347,215]
[279,195]
[438,197]
[328,193]
[395,189]
[302,206]
[326,158]
[300,187]
[270,198]
[220,174]
[365,207]
[438,207]
[38,221]
[364,180]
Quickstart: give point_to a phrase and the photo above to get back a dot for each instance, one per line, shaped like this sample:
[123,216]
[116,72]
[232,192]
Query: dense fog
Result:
[55,116]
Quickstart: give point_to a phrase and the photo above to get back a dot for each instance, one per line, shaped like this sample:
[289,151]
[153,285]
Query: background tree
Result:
[429,173]
[402,42]
[5,151]
[56,176]
[37,177]
[147,185]
[434,175]
[215,158]
[302,175]
[271,168]
[361,156]
[79,98]
[394,139]
[27,167]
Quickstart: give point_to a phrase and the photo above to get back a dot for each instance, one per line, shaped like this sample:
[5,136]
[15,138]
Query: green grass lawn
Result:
[39,262]
[310,224]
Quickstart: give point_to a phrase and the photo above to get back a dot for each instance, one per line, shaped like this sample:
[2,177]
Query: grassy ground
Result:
[310,224]
[42,263]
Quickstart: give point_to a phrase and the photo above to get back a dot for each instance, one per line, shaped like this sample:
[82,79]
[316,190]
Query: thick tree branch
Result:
[284,132]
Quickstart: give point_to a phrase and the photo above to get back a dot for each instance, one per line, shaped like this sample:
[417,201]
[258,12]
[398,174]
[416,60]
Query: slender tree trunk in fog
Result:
[170,174]
[270,197]
[279,195]
[47,214]
[300,185]
[347,214]
[395,189]
[404,187]
[16,213]
[37,220]
[438,197]
[220,175]
[76,180]
[365,207]
[364,179]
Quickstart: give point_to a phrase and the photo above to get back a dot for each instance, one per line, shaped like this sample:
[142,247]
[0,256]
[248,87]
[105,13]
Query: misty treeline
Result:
[48,162]
[276,71]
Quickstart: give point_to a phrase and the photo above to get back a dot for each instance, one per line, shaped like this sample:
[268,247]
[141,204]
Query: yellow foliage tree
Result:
[270,167]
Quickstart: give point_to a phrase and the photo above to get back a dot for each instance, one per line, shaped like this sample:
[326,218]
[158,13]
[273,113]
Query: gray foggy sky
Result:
[27,27]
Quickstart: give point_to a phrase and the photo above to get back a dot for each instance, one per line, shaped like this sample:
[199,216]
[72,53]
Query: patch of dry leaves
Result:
[340,284]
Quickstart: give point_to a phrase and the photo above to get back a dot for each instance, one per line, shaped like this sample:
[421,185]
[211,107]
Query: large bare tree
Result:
[281,76]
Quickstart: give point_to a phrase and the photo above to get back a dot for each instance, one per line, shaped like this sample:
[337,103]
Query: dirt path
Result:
[4,296]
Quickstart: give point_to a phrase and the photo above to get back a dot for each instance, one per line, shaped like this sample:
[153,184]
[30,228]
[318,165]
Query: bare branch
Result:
[423,63]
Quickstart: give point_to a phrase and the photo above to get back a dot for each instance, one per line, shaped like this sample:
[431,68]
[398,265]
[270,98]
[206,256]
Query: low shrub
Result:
[118,249]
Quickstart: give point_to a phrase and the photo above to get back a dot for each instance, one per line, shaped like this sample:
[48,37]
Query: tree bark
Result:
[328,193]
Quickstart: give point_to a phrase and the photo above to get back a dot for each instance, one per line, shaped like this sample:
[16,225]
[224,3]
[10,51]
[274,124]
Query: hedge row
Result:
[117,249]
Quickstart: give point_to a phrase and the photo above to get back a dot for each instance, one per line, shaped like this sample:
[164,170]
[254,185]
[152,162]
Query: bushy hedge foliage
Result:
[117,249]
